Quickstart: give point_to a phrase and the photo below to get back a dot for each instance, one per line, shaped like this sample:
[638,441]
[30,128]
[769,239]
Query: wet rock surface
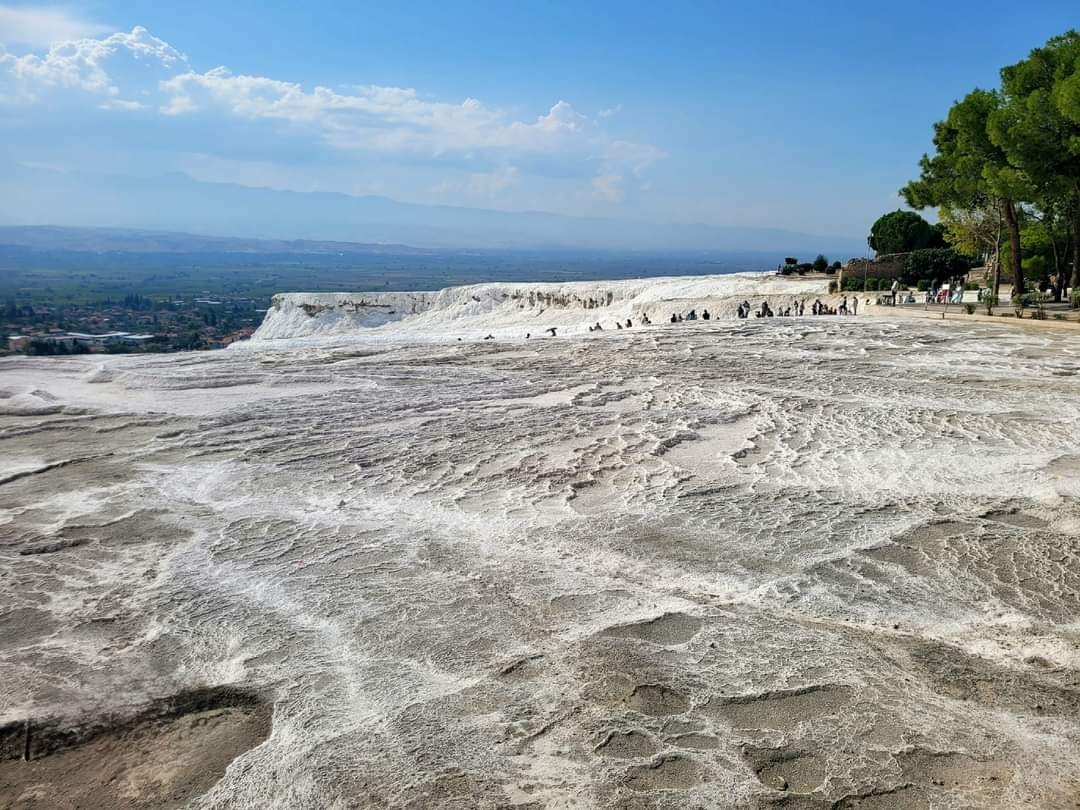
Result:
[162,755]
[792,565]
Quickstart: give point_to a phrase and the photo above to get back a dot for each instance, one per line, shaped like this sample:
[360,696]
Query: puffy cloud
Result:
[82,63]
[138,72]
[41,27]
[393,119]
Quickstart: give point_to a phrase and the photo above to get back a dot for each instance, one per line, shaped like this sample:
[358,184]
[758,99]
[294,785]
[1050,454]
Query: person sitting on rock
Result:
[705,315]
[629,323]
[673,318]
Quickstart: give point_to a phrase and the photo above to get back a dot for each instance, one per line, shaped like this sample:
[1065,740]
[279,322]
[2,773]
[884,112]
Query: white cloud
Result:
[388,119]
[364,119]
[81,63]
[610,111]
[42,26]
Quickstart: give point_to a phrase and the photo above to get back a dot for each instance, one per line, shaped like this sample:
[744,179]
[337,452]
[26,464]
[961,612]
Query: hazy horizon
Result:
[805,121]
[175,202]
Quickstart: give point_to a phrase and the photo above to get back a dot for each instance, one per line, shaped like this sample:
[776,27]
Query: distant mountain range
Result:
[40,238]
[173,203]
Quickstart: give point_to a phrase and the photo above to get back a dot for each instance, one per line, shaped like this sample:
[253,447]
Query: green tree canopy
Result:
[970,171]
[821,264]
[1038,125]
[900,232]
[973,231]
[935,264]
[1046,237]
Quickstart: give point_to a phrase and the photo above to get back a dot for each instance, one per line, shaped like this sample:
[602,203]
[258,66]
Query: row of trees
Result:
[819,265]
[1006,169]
[927,254]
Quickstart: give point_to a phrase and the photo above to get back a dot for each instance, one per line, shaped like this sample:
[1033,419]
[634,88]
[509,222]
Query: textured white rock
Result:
[510,310]
[675,567]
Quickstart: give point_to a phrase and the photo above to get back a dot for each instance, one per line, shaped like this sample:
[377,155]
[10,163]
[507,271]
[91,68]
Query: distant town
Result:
[133,323]
[78,290]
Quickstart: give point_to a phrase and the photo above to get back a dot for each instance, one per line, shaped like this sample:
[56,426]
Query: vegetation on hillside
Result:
[1005,171]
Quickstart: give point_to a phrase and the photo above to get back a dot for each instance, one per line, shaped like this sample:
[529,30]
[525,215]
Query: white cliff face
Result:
[294,315]
[812,563]
[507,310]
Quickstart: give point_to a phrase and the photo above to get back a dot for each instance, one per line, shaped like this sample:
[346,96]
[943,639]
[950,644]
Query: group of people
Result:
[946,294]
[798,308]
[744,310]
[765,311]
[596,327]
[843,308]
[690,316]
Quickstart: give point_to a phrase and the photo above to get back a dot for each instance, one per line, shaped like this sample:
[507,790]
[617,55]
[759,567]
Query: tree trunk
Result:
[1058,286]
[996,279]
[1074,282]
[1014,248]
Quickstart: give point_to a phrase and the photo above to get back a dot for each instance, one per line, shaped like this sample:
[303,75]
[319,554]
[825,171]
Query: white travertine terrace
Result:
[805,563]
[510,310]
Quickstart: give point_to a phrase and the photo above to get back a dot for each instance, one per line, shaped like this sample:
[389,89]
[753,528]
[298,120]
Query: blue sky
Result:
[794,115]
